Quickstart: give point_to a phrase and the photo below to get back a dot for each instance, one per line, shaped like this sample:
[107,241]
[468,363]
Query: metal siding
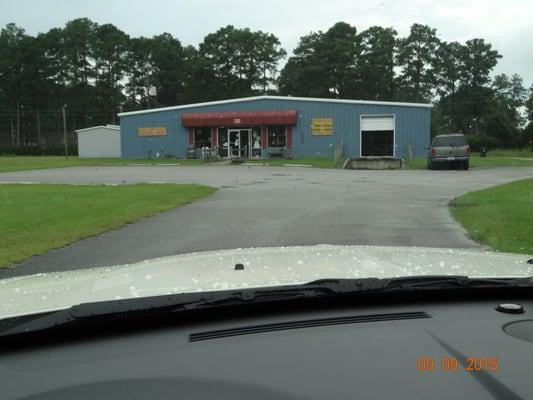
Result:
[100,142]
[412,127]
[135,146]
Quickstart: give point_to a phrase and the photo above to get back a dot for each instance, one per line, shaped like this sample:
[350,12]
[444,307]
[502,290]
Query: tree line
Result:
[97,70]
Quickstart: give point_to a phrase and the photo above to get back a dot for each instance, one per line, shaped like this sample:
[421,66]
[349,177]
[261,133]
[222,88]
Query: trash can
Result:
[483,152]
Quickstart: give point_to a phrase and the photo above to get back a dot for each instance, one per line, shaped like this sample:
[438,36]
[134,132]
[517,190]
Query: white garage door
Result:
[381,123]
[377,136]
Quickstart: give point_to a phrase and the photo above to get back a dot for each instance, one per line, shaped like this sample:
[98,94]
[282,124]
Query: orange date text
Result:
[452,364]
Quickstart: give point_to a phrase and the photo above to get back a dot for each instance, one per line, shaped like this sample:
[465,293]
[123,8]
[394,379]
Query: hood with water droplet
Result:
[215,270]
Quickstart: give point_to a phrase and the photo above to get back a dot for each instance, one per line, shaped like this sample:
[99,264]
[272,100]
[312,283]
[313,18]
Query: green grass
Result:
[496,158]
[38,218]
[416,163]
[23,163]
[314,162]
[476,162]
[511,153]
[501,217]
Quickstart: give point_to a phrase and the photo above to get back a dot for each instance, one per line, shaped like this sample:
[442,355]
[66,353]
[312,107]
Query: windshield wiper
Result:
[160,305]
[430,282]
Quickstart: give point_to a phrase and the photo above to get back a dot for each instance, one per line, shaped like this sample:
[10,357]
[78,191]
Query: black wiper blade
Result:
[157,305]
[424,282]
[194,301]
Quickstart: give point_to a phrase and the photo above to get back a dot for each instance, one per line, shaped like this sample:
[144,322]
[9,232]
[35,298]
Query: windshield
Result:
[449,141]
[163,148]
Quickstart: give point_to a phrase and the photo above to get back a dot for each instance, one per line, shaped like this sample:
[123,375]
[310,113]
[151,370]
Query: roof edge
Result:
[114,128]
[266,97]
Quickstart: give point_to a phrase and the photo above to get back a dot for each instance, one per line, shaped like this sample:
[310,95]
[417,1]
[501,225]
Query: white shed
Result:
[99,142]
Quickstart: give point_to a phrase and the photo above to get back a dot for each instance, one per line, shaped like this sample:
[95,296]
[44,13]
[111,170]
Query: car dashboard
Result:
[419,348]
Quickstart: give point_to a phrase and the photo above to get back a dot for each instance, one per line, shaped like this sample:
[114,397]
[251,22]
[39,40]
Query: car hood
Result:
[215,270]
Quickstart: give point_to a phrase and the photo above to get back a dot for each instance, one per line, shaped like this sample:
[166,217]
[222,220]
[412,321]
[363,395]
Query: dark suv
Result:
[450,150]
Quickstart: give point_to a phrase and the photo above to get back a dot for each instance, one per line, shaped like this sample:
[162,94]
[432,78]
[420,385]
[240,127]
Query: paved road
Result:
[272,206]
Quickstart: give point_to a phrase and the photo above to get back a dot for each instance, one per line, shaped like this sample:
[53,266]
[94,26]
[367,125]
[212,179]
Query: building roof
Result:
[290,98]
[111,127]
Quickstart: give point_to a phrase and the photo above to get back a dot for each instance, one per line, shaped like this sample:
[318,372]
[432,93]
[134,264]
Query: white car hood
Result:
[262,267]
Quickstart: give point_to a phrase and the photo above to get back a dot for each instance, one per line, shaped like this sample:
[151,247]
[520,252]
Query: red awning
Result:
[239,118]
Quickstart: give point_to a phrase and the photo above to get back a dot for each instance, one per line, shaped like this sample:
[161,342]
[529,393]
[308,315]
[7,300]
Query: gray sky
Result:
[508,25]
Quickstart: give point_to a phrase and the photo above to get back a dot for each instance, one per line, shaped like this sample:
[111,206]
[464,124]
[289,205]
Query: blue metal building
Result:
[272,126]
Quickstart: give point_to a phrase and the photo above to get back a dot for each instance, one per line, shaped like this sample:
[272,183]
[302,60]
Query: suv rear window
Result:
[449,141]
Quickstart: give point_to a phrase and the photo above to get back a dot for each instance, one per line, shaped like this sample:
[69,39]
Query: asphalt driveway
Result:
[271,206]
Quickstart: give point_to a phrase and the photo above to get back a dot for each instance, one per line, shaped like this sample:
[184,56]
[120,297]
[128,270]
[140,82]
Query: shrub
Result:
[37,151]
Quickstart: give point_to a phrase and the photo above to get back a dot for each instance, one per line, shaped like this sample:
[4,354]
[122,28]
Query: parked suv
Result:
[451,150]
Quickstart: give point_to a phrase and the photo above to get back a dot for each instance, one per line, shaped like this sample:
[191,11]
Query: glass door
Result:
[234,143]
[239,143]
[244,141]
[223,142]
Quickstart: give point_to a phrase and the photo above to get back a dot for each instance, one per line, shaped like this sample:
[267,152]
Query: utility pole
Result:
[12,133]
[18,123]
[119,111]
[65,130]
[38,128]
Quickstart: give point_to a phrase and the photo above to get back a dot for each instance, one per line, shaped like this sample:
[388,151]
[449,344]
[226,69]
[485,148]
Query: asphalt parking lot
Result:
[271,206]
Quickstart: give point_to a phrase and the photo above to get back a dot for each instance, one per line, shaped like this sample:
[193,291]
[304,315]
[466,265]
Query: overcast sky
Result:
[508,25]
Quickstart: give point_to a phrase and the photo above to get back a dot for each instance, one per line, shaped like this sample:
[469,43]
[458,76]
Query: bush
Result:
[37,151]
[476,141]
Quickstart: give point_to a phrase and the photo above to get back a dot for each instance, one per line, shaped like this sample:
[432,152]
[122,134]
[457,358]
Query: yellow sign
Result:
[322,126]
[160,131]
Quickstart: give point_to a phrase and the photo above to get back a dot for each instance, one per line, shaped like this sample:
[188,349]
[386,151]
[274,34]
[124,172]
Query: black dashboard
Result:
[422,348]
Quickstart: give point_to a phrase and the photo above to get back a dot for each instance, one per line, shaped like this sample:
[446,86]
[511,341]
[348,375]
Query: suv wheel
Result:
[466,165]
[430,164]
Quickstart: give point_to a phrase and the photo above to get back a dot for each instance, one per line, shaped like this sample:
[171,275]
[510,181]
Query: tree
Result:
[139,73]
[16,75]
[109,52]
[477,60]
[466,101]
[375,68]
[200,77]
[528,130]
[167,60]
[447,75]
[529,105]
[70,54]
[268,52]
[339,52]
[78,43]
[416,57]
[305,72]
[238,62]
[328,60]
[447,68]
[513,96]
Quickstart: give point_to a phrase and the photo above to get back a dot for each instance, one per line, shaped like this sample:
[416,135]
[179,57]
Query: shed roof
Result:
[289,98]
[110,127]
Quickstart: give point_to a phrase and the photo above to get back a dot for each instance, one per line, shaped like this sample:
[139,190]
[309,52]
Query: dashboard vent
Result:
[280,326]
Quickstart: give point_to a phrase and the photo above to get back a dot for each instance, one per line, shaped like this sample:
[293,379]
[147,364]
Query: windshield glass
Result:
[449,141]
[174,147]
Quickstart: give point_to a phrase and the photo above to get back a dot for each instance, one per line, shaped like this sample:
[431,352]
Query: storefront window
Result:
[202,137]
[223,142]
[256,141]
[276,136]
